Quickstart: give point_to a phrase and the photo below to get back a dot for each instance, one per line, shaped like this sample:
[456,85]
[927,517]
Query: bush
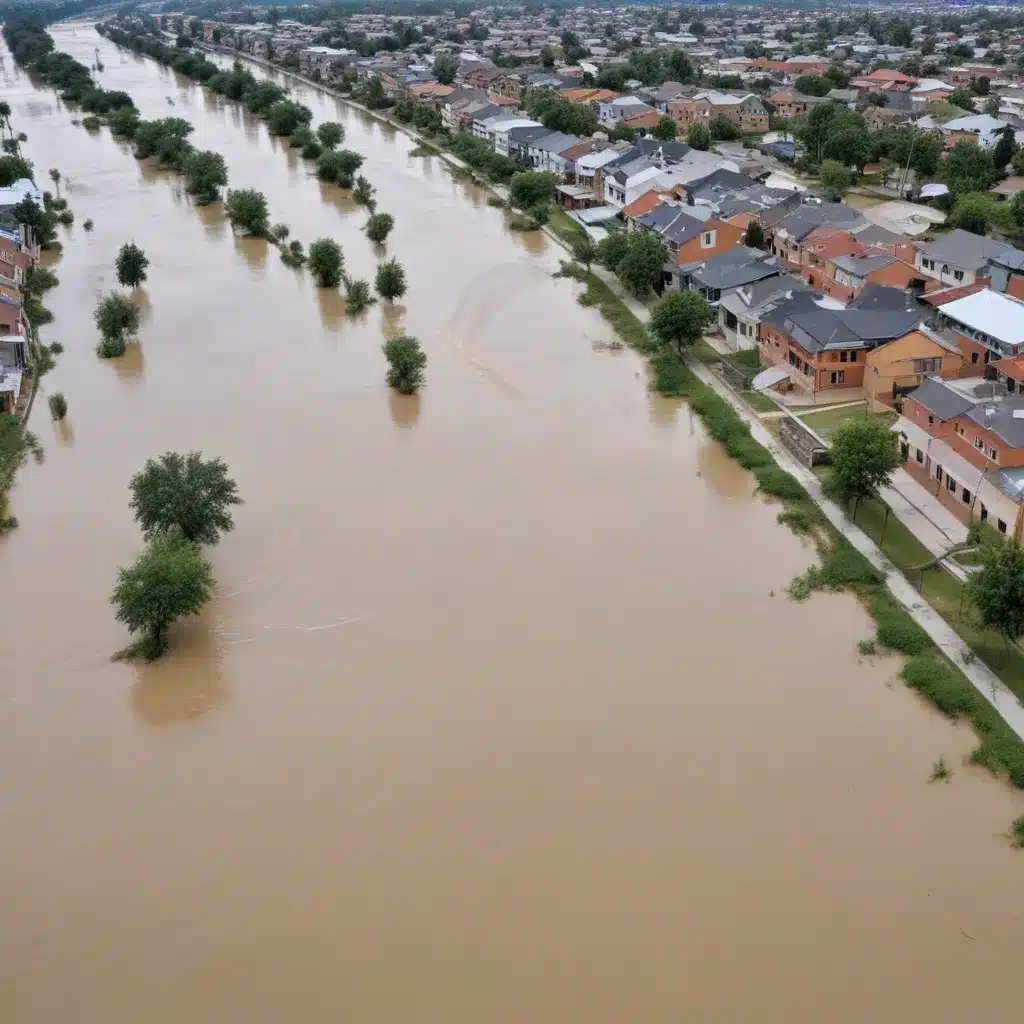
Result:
[91,123]
[406,363]
[111,348]
[58,406]
[779,484]
[896,629]
[940,683]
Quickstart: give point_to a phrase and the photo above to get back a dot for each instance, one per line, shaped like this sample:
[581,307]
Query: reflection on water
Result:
[664,411]
[340,198]
[64,432]
[214,218]
[331,303]
[253,251]
[140,298]
[404,409]
[132,365]
[723,475]
[391,318]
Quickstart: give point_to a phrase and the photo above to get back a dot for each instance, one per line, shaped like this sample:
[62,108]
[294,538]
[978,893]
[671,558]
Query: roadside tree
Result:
[864,457]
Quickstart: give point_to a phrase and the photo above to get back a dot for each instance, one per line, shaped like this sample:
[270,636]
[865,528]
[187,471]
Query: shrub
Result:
[896,629]
[940,683]
[406,363]
[111,348]
[357,296]
[779,484]
[91,123]
[58,406]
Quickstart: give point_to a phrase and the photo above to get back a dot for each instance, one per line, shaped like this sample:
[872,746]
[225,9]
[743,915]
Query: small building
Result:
[957,258]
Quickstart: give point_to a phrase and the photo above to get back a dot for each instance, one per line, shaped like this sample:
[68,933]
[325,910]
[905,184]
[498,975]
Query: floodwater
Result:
[500,713]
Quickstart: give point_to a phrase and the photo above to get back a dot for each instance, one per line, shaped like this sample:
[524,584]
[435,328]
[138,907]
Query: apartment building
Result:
[746,112]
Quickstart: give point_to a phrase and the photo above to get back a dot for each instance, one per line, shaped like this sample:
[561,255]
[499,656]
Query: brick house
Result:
[847,275]
[987,326]
[690,233]
[789,103]
[964,441]
[746,112]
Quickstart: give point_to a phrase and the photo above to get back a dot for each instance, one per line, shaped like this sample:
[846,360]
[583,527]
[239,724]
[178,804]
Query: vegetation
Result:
[130,265]
[679,319]
[168,580]
[58,405]
[357,296]
[292,254]
[666,128]
[530,189]
[338,166]
[406,364]
[390,280]
[997,589]
[326,262]
[16,444]
[637,257]
[836,180]
[699,137]
[363,192]
[330,134]
[379,226]
[247,209]
[940,771]
[185,494]
[117,318]
[864,457]
[205,175]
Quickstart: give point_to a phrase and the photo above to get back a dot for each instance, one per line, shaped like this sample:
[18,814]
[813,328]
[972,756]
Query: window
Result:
[950,484]
[844,357]
[919,455]
[974,357]
[927,365]
[979,443]
[853,357]
[965,496]
[958,274]
[707,240]
[1001,525]
[837,377]
[931,420]
[938,474]
[960,430]
[984,514]
[945,268]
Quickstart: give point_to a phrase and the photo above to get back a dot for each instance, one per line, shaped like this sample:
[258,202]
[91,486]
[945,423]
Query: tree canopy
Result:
[997,588]
[406,364]
[326,262]
[533,188]
[679,319]
[864,456]
[131,265]
[247,209]
[390,280]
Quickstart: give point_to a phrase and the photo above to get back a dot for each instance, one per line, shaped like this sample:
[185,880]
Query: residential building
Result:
[964,441]
[690,233]
[746,112]
[957,258]
[790,103]
[786,229]
[545,153]
[741,309]
[883,80]
[986,325]
[845,276]
[981,129]
[716,275]
[894,369]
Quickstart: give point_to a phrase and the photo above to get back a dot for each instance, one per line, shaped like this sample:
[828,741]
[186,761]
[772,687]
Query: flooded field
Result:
[500,713]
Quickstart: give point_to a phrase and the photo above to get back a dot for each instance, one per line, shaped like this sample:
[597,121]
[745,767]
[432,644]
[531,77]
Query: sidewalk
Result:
[923,514]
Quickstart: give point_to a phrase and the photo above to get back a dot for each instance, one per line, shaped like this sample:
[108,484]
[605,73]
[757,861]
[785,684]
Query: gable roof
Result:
[962,249]
[734,268]
[940,400]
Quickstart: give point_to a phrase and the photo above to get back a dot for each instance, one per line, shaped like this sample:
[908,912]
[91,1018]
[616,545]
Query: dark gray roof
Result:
[676,224]
[822,329]
[861,266]
[963,248]
[872,234]
[1005,418]
[881,296]
[733,269]
[940,400]
[672,151]
[801,302]
[803,221]
[528,133]
[555,142]
[1012,259]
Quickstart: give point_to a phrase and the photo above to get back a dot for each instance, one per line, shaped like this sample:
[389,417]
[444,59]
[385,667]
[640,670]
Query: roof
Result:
[821,329]
[1012,366]
[647,202]
[962,248]
[991,313]
[880,296]
[734,268]
[1005,418]
[984,124]
[950,294]
[803,221]
[1010,482]
[940,399]
[863,264]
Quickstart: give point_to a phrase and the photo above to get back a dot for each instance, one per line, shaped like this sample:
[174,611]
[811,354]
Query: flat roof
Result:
[991,313]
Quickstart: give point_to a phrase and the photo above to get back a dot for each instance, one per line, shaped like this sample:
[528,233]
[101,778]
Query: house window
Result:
[938,474]
[931,420]
[919,455]
[958,274]
[707,240]
[1001,525]
[853,357]
[993,455]
[838,377]
[960,430]
[984,514]
[974,357]
[979,444]
[927,365]
[945,268]
[844,357]
[965,496]
[950,484]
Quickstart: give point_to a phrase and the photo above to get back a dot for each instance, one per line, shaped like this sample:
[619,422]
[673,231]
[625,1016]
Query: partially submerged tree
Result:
[533,188]
[363,192]
[379,226]
[131,264]
[247,209]
[357,296]
[117,318]
[406,363]
[185,493]
[326,262]
[390,280]
[205,175]
[58,405]
[864,455]
[330,133]
[169,580]
[584,251]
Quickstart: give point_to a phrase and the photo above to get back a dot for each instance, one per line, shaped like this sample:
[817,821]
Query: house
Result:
[592,98]
[930,90]
[545,153]
[14,358]
[786,229]
[740,309]
[746,112]
[1006,272]
[717,275]
[963,76]
[845,276]
[957,258]
[825,349]
[789,103]
[986,326]
[964,441]
[616,110]
[735,197]
[513,140]
[893,369]
[980,129]
[883,80]
[690,233]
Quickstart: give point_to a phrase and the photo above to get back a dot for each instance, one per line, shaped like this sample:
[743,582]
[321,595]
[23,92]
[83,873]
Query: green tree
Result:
[679,319]
[642,267]
[533,188]
[584,251]
[205,174]
[331,134]
[55,178]
[357,296]
[754,236]
[849,145]
[992,106]
[967,168]
[723,130]
[186,493]
[363,192]
[978,211]
[836,179]
[813,85]
[698,29]
[58,405]
[116,317]
[379,226]
[611,250]
[284,117]
[326,262]
[547,57]
[864,457]
[1005,149]
[406,364]
[390,280]
[169,579]
[666,128]
[698,137]
[131,264]
[445,68]
[997,589]
[963,99]
[247,209]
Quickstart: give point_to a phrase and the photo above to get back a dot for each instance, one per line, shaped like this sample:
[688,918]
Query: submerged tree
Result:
[247,209]
[131,264]
[168,580]
[184,493]
[406,363]
[363,192]
[357,296]
[331,134]
[117,318]
[326,262]
[205,175]
[379,226]
[390,280]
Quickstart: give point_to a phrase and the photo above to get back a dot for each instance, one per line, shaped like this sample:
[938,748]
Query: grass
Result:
[898,543]
[825,421]
[867,647]
[758,402]
[608,304]
[564,226]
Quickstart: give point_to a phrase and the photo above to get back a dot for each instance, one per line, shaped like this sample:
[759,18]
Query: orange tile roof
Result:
[588,95]
[1012,366]
[941,297]
[647,202]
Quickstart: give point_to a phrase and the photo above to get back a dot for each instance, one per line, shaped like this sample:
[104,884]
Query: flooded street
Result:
[495,717]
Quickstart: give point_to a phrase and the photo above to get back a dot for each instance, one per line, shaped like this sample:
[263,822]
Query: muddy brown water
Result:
[494,717]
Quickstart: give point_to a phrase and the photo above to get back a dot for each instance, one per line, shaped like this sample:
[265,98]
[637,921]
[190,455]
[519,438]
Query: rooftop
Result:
[991,313]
